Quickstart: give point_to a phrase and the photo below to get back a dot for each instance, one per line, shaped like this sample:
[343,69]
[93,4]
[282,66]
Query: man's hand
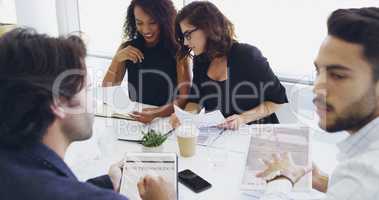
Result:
[319,179]
[285,165]
[151,188]
[115,174]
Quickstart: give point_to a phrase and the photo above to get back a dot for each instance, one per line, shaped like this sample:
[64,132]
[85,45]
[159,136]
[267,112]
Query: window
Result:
[102,23]
[288,32]
[7,12]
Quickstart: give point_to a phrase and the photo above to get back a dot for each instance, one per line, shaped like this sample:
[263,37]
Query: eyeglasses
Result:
[187,34]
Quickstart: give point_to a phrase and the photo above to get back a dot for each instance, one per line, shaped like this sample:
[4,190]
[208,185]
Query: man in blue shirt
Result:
[43,110]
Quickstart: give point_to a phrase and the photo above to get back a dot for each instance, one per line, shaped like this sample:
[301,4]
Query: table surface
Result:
[222,163]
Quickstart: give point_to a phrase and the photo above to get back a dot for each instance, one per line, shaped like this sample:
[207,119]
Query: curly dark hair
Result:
[30,63]
[208,18]
[163,12]
[360,26]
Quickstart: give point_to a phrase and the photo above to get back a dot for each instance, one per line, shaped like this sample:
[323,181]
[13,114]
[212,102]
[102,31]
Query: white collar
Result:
[359,141]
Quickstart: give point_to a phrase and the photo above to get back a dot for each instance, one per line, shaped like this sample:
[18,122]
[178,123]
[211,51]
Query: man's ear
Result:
[58,110]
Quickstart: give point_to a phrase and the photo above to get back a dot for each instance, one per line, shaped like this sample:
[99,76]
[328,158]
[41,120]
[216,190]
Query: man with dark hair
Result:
[43,109]
[347,99]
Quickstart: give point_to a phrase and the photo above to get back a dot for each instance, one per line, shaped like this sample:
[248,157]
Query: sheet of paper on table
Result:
[138,165]
[298,195]
[208,135]
[201,119]
[105,110]
[206,122]
[115,102]
[269,139]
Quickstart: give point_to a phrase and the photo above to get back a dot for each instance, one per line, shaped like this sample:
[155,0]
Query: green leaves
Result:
[153,139]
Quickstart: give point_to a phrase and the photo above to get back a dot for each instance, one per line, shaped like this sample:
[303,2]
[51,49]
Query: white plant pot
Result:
[157,149]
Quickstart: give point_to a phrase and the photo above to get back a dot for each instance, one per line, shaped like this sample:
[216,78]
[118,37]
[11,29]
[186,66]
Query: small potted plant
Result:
[152,141]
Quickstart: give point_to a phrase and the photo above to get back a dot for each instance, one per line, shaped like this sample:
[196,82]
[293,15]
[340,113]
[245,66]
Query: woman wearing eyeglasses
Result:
[149,58]
[227,75]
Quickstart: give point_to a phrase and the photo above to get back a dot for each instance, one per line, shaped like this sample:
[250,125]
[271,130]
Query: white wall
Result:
[7,12]
[39,14]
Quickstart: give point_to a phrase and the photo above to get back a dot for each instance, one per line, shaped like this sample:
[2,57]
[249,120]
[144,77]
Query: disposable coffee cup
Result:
[187,138]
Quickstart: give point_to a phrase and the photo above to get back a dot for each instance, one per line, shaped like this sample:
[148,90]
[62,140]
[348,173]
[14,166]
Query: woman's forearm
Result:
[184,84]
[263,110]
[114,75]
[168,109]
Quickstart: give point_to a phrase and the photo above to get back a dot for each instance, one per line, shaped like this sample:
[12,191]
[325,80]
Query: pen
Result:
[219,135]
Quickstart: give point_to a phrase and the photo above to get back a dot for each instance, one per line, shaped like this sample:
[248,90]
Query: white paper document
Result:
[138,165]
[200,119]
[114,102]
[269,139]
[208,135]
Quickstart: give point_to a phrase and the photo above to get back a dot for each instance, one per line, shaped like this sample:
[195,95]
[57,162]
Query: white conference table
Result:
[222,163]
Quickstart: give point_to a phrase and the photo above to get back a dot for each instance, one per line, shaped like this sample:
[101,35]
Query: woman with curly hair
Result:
[149,58]
[227,75]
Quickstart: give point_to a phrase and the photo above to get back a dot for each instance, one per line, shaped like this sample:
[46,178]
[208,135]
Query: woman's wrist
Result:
[116,64]
[247,117]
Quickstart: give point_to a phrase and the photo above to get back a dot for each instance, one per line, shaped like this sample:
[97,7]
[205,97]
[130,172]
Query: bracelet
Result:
[276,175]
[279,177]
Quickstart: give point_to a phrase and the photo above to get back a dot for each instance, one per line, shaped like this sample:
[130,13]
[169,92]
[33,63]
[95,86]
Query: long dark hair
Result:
[163,12]
[207,17]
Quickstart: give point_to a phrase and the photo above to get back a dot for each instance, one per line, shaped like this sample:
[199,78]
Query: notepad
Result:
[138,165]
[114,102]
[105,110]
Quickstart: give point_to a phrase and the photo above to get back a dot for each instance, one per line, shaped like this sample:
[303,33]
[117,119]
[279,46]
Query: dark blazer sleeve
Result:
[102,181]
[254,67]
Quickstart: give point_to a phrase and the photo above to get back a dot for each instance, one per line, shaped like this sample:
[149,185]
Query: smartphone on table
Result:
[193,181]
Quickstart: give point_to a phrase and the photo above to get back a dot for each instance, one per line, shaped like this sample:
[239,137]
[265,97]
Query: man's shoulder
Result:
[23,177]
[367,160]
[359,173]
[58,188]
[369,157]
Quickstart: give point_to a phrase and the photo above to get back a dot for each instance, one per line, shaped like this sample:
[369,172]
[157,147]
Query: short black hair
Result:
[30,63]
[360,26]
